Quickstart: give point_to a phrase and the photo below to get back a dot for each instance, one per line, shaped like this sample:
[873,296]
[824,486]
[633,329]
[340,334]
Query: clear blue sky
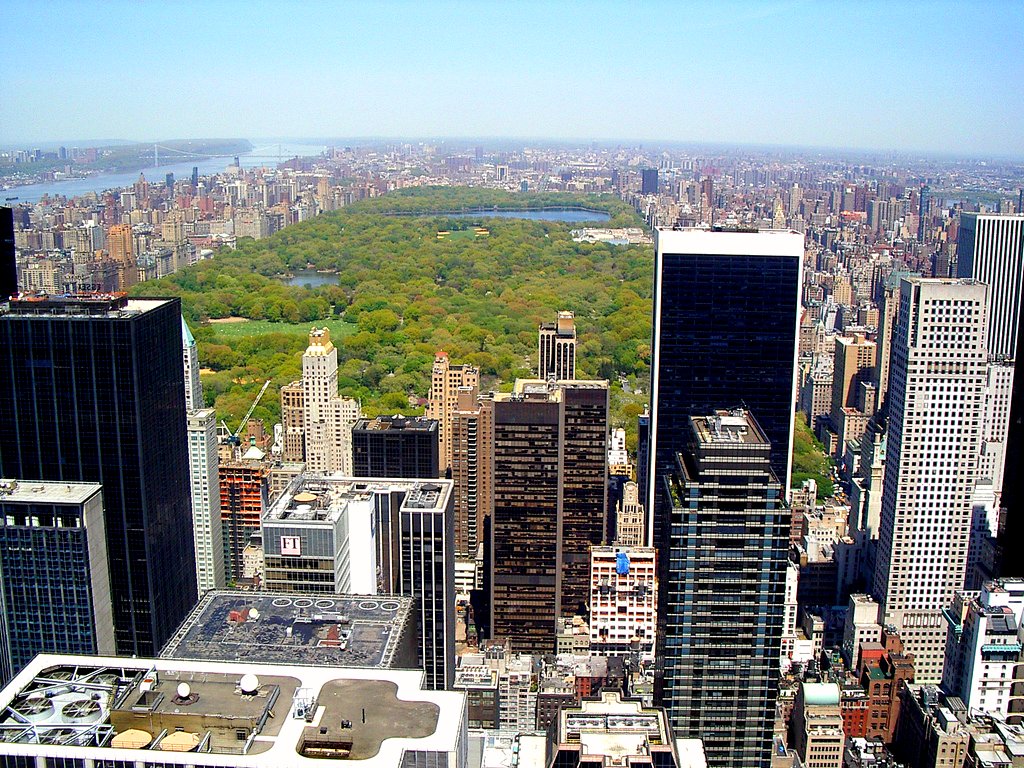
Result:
[936,76]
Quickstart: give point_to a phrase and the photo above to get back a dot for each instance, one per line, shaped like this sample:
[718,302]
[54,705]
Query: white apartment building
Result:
[623,600]
[190,359]
[327,418]
[206,523]
[983,647]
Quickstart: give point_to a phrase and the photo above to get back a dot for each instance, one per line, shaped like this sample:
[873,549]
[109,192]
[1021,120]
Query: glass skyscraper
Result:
[54,583]
[723,608]
[92,389]
[726,317]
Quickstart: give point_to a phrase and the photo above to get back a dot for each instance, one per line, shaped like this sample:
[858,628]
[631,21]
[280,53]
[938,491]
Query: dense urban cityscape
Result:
[441,452]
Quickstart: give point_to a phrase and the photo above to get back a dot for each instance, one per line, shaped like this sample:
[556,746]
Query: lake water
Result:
[261,155]
[312,279]
[567,215]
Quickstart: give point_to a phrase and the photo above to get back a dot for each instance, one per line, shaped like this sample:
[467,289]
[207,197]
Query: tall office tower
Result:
[395,446]
[244,494]
[446,383]
[53,572]
[890,301]
[292,421]
[556,348]
[649,181]
[990,248]
[936,390]
[472,469]
[206,519]
[121,245]
[327,418]
[726,320]
[723,603]
[190,359]
[8,262]
[195,177]
[426,572]
[92,390]
[550,506]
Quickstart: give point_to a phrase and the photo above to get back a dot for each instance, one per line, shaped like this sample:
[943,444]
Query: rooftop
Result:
[735,426]
[321,499]
[397,422]
[36,491]
[292,628]
[716,242]
[110,305]
[224,713]
[613,727]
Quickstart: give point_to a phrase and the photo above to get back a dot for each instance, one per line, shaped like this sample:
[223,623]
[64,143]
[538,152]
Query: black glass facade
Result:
[723,604]
[395,447]
[725,335]
[550,507]
[728,330]
[50,596]
[94,391]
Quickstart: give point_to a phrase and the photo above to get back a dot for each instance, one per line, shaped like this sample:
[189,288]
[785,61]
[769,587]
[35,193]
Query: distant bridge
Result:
[180,154]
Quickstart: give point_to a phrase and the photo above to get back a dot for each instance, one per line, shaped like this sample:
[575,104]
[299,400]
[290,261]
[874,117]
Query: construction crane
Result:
[234,439]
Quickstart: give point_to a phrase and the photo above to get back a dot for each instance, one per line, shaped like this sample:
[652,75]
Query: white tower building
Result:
[206,523]
[328,419]
[937,385]
[190,359]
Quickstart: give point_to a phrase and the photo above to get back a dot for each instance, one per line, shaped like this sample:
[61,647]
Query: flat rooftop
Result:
[293,628]
[224,713]
[703,241]
[111,305]
[396,423]
[42,491]
[728,427]
[613,727]
[318,498]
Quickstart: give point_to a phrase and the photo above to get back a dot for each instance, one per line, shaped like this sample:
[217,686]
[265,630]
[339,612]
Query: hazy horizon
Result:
[912,78]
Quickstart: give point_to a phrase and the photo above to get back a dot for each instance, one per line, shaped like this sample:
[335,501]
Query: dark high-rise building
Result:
[923,204]
[92,389]
[649,181]
[550,506]
[395,446]
[195,177]
[726,320]
[8,264]
[58,599]
[724,595]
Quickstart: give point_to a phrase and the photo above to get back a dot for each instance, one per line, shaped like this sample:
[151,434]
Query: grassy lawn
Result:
[339,328]
[810,461]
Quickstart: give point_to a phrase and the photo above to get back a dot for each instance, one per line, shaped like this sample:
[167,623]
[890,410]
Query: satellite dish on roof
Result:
[184,690]
[249,683]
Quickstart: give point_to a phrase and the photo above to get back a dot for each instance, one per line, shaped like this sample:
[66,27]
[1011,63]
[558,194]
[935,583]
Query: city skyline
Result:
[834,78]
